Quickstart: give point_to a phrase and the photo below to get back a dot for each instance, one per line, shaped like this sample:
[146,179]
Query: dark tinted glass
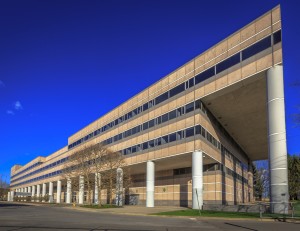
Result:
[191,82]
[189,107]
[151,123]
[256,48]
[227,63]
[145,106]
[189,132]
[172,137]
[164,139]
[164,118]
[145,145]
[172,114]
[205,75]
[277,37]
[161,98]
[177,90]
[145,126]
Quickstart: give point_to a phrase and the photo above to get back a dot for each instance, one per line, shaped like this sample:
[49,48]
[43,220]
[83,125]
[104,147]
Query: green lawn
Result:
[194,212]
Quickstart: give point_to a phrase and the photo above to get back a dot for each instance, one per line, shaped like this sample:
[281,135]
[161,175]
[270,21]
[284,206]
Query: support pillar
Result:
[277,141]
[51,192]
[38,192]
[8,196]
[69,191]
[81,190]
[119,187]
[33,192]
[29,189]
[12,195]
[58,192]
[97,185]
[197,180]
[44,191]
[150,184]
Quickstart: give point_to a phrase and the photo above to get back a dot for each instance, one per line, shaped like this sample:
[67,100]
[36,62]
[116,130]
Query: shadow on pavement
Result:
[11,205]
[15,227]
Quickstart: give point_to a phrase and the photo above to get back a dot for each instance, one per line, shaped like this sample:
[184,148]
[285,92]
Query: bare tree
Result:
[96,160]
[3,187]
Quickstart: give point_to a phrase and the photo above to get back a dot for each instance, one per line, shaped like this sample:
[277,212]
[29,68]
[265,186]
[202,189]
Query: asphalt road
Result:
[26,217]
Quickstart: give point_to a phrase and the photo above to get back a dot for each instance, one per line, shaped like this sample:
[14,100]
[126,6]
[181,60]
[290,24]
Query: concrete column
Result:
[33,192]
[8,196]
[81,190]
[97,185]
[119,187]
[25,189]
[51,192]
[58,193]
[38,192]
[150,184]
[277,141]
[197,180]
[69,191]
[29,189]
[12,195]
[44,190]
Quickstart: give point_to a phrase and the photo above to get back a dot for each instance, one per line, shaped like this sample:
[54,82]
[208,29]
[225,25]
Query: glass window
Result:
[145,126]
[158,141]
[179,111]
[191,82]
[151,144]
[197,104]
[145,145]
[205,75]
[145,107]
[151,103]
[151,123]
[198,130]
[176,90]
[179,135]
[227,63]
[189,107]
[172,114]
[256,48]
[164,140]
[189,132]
[277,37]
[133,149]
[172,137]
[158,120]
[161,98]
[164,118]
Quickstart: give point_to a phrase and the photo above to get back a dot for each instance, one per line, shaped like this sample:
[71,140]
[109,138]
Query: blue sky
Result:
[63,63]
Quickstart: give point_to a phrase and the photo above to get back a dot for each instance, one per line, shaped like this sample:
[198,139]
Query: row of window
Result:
[211,167]
[176,136]
[42,169]
[26,169]
[157,121]
[225,64]
[149,124]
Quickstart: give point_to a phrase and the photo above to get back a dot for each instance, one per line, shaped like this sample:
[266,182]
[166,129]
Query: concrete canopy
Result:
[241,108]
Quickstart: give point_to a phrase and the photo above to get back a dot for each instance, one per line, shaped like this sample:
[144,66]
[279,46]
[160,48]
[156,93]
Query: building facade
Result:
[190,138]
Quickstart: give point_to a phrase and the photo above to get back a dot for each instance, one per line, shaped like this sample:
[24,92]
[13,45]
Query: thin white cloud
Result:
[10,112]
[2,84]
[18,106]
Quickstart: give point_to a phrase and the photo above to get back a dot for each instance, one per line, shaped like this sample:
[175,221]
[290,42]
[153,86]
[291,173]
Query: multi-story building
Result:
[191,137]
